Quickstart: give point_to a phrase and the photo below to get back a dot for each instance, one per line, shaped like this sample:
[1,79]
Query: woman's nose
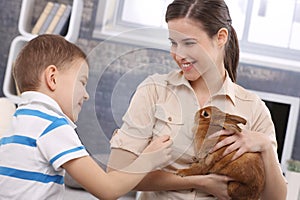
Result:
[180,53]
[180,57]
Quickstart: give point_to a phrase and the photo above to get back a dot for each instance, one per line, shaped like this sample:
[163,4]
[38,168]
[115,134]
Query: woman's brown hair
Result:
[213,15]
[38,54]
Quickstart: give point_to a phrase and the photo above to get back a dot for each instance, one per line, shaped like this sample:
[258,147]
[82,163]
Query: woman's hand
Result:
[245,141]
[213,184]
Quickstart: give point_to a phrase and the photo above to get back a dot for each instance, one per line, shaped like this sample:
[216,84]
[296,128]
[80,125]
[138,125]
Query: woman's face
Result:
[192,49]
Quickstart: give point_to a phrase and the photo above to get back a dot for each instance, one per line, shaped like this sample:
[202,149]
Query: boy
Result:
[52,74]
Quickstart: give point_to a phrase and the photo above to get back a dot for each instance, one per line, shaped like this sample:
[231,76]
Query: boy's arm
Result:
[93,179]
[117,183]
[160,180]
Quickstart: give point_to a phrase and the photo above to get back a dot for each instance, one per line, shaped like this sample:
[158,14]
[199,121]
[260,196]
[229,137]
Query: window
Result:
[132,21]
[143,13]
[281,27]
[284,112]
[267,29]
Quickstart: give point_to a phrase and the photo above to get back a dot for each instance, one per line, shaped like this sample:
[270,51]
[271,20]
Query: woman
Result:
[205,47]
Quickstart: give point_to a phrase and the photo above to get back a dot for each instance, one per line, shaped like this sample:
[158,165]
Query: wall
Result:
[250,76]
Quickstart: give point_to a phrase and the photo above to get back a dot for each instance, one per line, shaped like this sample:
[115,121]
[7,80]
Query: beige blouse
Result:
[166,104]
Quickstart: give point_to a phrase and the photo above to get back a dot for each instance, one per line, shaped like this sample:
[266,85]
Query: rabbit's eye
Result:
[205,114]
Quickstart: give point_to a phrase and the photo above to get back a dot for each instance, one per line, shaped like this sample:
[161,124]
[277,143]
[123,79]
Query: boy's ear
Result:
[51,75]
[222,36]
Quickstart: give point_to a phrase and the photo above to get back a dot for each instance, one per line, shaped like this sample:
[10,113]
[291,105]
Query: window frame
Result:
[107,28]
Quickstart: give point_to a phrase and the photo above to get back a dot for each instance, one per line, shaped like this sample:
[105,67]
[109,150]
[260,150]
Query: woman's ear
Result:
[222,36]
[51,75]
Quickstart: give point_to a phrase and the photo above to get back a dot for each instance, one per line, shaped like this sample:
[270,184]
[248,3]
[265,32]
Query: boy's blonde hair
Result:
[38,54]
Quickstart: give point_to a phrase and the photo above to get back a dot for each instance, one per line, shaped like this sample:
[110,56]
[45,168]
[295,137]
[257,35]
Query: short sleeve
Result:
[263,122]
[136,130]
[121,140]
[61,145]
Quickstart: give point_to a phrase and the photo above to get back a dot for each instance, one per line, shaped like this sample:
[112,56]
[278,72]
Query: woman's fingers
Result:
[221,133]
[225,142]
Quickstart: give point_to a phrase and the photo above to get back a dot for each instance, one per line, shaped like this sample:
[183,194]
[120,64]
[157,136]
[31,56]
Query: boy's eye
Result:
[83,83]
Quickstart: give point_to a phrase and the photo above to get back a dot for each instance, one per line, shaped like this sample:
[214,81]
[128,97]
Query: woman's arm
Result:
[162,181]
[117,183]
[275,185]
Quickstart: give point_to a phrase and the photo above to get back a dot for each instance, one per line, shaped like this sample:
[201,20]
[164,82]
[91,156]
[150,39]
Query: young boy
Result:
[52,74]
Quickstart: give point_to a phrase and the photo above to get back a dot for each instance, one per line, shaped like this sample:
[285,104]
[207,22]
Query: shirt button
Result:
[120,143]
[170,119]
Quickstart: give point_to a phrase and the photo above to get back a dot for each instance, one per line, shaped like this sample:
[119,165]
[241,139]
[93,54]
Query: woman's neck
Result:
[208,84]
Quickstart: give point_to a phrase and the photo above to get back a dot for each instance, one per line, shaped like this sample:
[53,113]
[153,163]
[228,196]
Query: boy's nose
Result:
[86,96]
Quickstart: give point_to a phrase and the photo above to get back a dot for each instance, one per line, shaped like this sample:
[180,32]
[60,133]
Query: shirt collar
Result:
[177,78]
[227,88]
[33,97]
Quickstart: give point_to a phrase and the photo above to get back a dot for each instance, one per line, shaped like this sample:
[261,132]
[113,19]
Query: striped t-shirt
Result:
[41,139]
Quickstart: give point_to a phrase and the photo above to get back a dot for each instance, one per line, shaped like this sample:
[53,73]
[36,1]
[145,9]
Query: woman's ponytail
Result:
[232,54]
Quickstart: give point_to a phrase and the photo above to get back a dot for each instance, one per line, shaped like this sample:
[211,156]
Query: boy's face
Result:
[72,89]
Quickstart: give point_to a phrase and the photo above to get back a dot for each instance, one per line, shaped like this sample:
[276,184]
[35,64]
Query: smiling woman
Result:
[205,47]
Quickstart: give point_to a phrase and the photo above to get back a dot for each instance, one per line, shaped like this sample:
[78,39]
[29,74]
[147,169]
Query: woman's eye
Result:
[189,43]
[173,43]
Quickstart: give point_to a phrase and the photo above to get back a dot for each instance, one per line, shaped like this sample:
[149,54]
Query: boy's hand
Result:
[158,152]
[158,144]
[156,155]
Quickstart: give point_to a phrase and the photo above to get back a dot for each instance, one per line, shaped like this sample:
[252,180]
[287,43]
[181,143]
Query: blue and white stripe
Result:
[31,142]
[40,141]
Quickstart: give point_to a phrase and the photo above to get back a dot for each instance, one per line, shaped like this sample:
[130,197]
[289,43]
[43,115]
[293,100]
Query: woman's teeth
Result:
[185,65]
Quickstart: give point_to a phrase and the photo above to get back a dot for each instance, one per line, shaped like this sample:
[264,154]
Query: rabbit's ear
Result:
[235,119]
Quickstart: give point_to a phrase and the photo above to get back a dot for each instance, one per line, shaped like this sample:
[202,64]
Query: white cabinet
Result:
[9,88]
[25,26]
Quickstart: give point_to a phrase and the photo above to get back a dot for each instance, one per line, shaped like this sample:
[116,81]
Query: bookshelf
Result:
[25,27]
[26,14]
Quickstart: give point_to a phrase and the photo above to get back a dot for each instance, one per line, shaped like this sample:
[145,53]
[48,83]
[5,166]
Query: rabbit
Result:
[247,171]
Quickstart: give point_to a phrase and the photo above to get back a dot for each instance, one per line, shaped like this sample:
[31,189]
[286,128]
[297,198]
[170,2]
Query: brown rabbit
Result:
[247,171]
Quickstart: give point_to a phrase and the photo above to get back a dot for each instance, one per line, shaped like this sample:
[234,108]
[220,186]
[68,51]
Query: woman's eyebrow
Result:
[186,39]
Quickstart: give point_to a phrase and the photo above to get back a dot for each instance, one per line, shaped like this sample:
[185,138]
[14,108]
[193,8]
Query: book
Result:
[56,18]
[63,23]
[49,18]
[36,28]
